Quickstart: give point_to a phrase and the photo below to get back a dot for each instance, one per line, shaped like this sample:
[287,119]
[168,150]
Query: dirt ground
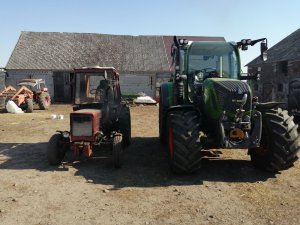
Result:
[228,190]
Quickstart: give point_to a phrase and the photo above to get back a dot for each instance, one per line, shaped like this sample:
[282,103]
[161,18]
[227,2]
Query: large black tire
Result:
[163,131]
[44,101]
[56,150]
[29,105]
[125,125]
[117,151]
[184,144]
[279,142]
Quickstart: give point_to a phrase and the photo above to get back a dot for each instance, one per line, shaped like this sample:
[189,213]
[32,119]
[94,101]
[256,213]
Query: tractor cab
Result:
[96,86]
[209,60]
[212,59]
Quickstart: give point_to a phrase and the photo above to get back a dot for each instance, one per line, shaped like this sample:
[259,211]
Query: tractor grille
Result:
[81,125]
[230,93]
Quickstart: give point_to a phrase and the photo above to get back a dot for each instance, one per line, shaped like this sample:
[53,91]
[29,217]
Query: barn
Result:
[280,74]
[143,61]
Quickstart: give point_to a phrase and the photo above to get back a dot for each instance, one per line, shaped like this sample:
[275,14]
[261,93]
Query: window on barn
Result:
[283,67]
[275,67]
[280,87]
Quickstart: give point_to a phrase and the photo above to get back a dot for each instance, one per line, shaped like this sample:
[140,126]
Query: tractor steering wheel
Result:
[210,73]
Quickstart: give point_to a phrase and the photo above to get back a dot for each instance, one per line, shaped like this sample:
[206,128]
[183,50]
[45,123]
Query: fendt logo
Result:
[237,100]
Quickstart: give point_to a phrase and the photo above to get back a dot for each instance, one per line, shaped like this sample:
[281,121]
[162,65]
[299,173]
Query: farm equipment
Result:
[40,94]
[208,105]
[100,120]
[31,91]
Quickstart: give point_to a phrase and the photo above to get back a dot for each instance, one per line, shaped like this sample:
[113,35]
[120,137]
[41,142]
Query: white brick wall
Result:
[135,83]
[130,83]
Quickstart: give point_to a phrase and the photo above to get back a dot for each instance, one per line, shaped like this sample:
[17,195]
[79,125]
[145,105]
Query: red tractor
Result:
[100,120]
[31,91]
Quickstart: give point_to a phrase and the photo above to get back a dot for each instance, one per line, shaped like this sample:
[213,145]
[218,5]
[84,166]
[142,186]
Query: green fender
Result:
[166,100]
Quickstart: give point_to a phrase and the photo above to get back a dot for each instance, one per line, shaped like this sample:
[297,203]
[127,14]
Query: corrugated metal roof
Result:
[65,51]
[285,50]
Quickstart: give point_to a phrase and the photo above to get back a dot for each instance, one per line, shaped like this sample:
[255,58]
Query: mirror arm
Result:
[258,40]
[255,77]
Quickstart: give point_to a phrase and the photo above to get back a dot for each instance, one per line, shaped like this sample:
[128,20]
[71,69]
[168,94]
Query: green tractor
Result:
[208,104]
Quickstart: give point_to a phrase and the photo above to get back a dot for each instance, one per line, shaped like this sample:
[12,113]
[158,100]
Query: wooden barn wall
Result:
[272,75]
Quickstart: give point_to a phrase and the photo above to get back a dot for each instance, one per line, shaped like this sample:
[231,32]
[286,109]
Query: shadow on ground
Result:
[145,165]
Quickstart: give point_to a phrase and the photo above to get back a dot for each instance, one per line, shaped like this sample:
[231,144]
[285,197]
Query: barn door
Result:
[160,79]
[267,92]
[62,87]
[294,95]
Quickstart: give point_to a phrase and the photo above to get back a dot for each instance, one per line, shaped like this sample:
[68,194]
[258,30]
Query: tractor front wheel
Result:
[279,142]
[56,149]
[44,101]
[125,125]
[185,149]
[117,151]
[29,105]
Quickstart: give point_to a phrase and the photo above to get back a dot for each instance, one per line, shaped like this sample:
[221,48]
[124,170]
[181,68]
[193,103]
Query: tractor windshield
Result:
[212,59]
[91,87]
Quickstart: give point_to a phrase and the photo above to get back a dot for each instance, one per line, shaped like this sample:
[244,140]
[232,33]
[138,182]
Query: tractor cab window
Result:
[212,59]
[92,87]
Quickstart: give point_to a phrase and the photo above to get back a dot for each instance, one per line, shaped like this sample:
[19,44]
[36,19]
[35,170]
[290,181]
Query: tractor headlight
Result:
[66,134]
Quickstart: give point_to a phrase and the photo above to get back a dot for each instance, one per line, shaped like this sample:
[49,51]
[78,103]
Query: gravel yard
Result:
[227,190]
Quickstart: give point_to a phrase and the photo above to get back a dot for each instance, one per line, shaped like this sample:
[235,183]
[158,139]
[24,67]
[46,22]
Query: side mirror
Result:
[263,49]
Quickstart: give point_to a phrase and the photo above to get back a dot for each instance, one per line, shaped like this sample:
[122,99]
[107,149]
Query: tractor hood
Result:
[222,94]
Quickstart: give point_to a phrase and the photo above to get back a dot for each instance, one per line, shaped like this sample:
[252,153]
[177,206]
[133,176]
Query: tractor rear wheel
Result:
[125,125]
[185,148]
[44,101]
[279,142]
[117,151]
[55,150]
[29,105]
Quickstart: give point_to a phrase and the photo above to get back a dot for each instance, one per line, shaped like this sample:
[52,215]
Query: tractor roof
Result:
[31,82]
[93,69]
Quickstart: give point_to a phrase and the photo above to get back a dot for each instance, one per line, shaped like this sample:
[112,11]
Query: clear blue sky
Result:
[232,19]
